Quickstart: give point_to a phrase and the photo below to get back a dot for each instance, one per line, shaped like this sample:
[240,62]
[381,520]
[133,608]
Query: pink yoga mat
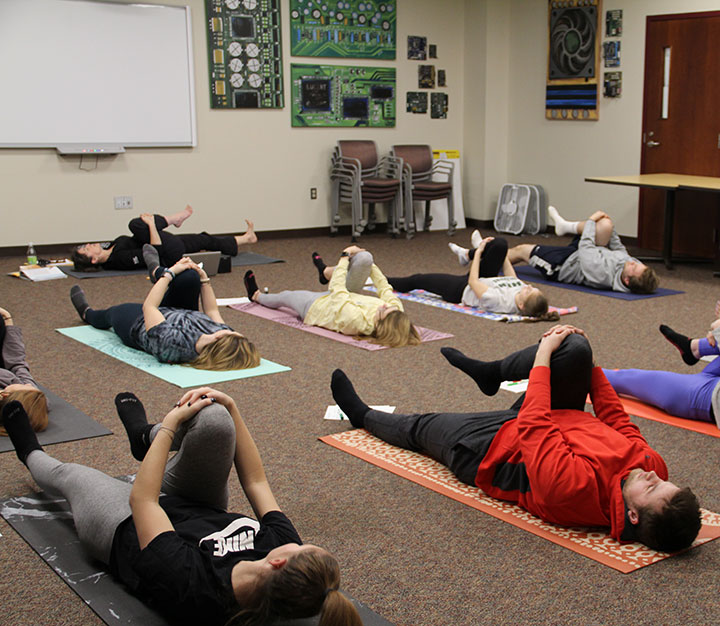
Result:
[289,318]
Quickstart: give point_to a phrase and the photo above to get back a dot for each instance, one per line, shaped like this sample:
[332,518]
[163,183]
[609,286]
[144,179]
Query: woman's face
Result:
[91,250]
[526,292]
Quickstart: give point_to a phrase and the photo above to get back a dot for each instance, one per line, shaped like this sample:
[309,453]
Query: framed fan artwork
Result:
[573,60]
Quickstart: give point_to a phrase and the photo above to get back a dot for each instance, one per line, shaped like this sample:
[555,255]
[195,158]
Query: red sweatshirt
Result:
[566,466]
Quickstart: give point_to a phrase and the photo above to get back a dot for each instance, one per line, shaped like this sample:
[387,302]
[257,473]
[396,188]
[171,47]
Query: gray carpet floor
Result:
[413,556]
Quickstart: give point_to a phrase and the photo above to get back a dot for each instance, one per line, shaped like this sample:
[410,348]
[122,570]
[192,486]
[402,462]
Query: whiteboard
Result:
[92,73]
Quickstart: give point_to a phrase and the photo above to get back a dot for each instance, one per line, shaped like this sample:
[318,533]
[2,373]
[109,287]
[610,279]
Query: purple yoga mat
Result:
[289,318]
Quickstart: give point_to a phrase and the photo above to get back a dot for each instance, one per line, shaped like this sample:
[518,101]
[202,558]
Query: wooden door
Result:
[686,139]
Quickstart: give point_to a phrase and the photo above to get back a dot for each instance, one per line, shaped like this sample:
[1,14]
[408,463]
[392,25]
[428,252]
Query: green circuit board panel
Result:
[245,54]
[356,29]
[332,95]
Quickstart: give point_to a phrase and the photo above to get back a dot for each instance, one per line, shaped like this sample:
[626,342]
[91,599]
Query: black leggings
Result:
[450,287]
[2,340]
[175,247]
[183,293]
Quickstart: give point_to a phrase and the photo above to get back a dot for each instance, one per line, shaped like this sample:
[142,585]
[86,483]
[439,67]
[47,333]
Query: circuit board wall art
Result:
[245,54]
[343,28]
[573,60]
[333,95]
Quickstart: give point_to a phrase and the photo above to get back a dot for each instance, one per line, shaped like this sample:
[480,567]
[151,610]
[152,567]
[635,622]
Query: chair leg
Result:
[451,215]
[371,216]
[335,207]
[428,217]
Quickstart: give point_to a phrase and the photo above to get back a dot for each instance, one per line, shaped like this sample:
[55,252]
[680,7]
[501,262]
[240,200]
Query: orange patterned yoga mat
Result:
[593,543]
[635,407]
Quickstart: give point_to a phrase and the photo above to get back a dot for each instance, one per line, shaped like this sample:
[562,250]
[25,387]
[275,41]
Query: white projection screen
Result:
[95,73]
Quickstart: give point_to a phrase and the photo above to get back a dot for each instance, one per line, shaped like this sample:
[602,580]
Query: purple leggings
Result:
[681,395]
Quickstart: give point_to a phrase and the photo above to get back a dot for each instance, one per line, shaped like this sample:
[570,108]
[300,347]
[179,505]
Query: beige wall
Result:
[247,163]
[558,155]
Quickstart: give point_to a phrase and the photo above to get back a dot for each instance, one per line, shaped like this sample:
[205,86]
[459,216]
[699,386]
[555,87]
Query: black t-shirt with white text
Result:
[186,573]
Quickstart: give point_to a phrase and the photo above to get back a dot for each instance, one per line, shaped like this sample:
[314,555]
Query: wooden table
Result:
[670,183]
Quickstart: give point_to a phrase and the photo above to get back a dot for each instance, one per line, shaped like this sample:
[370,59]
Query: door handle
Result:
[652,144]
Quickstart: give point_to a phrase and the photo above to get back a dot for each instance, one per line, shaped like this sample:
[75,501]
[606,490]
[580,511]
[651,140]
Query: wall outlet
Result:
[123,202]
[313,193]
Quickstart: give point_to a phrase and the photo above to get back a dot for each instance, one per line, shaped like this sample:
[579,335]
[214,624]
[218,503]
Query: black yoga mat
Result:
[45,523]
[66,423]
[242,258]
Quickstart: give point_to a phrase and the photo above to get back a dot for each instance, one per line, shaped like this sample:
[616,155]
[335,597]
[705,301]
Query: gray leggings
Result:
[300,300]
[199,472]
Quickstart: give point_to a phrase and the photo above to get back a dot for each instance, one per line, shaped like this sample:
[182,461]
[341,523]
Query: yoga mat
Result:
[109,343]
[287,317]
[635,407]
[242,258]
[45,523]
[66,423]
[431,299]
[594,543]
[526,272]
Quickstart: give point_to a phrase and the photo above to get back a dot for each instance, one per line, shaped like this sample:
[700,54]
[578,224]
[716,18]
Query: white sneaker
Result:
[460,252]
[475,239]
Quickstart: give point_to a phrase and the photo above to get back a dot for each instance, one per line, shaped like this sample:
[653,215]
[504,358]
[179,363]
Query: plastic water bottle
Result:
[31,254]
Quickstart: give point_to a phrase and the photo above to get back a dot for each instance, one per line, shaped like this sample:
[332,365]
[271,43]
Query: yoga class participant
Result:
[125,253]
[344,309]
[595,258]
[482,287]
[16,382]
[692,396]
[546,453]
[184,554]
[168,325]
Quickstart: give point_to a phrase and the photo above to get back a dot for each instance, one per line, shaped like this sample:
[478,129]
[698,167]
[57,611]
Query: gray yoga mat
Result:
[45,523]
[66,424]
[242,258]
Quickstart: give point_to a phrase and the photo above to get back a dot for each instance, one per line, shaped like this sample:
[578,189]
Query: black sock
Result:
[17,425]
[77,297]
[681,342]
[320,264]
[152,261]
[485,373]
[132,415]
[348,401]
[250,284]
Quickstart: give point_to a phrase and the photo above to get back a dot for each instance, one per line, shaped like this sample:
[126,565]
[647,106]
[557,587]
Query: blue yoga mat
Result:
[526,272]
[109,343]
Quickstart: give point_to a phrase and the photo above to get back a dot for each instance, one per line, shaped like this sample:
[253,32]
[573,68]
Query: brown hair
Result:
[82,262]
[536,308]
[647,282]
[35,404]
[674,527]
[305,586]
[395,330]
[229,352]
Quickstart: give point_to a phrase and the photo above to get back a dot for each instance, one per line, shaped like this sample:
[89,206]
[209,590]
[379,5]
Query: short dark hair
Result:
[674,527]
[647,282]
[82,262]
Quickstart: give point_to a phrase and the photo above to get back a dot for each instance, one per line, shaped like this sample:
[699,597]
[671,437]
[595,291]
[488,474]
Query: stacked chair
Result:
[418,186]
[359,177]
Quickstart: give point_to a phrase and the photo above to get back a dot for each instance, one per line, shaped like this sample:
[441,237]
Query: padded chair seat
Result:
[384,183]
[427,185]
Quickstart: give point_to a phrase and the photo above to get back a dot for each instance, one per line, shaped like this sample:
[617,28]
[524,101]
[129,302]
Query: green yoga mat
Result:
[109,343]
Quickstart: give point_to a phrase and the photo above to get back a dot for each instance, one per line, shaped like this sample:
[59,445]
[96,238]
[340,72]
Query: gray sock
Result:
[77,297]
[152,260]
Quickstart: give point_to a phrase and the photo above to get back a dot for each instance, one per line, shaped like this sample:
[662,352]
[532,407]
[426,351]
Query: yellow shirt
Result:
[350,313]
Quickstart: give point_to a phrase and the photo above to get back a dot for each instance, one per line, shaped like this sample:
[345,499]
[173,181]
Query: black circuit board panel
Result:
[245,54]
[357,29]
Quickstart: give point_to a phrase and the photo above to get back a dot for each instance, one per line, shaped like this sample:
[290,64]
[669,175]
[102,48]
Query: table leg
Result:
[668,225]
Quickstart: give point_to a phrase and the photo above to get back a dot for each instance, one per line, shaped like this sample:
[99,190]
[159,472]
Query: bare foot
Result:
[177,219]
[247,237]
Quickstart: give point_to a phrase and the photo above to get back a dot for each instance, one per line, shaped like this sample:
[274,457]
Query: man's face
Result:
[632,268]
[646,490]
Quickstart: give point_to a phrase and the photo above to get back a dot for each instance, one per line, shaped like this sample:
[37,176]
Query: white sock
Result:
[460,252]
[562,226]
[475,239]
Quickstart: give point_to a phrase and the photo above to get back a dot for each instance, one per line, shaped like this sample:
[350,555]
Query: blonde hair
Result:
[536,308]
[229,352]
[305,586]
[395,330]
[35,404]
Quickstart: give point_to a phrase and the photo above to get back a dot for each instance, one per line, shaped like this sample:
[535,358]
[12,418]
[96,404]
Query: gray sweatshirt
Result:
[13,354]
[596,266]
